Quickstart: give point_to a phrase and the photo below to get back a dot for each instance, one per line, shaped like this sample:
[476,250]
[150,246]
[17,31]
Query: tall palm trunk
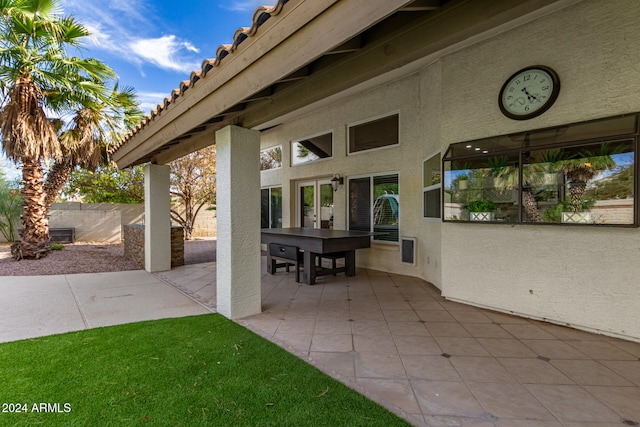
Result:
[530,205]
[35,223]
[577,191]
[57,177]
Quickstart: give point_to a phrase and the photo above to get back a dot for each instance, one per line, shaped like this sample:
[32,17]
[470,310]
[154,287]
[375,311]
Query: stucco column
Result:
[238,215]
[157,218]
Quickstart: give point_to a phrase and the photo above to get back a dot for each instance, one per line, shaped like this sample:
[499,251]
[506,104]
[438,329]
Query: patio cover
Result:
[301,54]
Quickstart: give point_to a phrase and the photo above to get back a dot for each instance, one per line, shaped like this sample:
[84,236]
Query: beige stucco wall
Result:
[585,277]
[412,97]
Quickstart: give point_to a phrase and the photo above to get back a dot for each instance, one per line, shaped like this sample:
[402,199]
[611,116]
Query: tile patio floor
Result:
[440,363]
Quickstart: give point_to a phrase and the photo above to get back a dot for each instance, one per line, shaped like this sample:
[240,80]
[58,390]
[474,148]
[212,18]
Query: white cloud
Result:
[111,27]
[149,100]
[99,38]
[130,8]
[163,52]
[190,47]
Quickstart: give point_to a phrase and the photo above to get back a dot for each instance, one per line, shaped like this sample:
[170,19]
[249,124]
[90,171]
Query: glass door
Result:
[314,204]
[307,205]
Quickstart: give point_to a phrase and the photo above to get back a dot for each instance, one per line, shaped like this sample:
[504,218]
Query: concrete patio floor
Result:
[35,306]
[436,362]
[393,338]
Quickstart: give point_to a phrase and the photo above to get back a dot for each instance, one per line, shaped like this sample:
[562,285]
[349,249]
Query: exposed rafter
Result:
[422,5]
[304,58]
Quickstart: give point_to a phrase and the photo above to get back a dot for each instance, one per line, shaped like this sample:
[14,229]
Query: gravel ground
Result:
[75,258]
[92,258]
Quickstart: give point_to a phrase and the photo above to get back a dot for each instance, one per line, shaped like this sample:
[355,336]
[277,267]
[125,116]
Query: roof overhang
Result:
[299,55]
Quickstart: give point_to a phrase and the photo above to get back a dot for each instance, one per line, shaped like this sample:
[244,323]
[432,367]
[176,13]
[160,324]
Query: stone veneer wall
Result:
[134,244]
[177,246]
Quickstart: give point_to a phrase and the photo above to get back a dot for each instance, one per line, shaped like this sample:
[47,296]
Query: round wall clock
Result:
[529,92]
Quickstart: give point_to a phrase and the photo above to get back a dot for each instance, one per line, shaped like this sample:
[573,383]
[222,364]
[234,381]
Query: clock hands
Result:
[520,100]
[530,97]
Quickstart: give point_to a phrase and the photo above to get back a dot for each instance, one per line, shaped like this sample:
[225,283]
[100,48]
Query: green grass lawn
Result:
[201,370]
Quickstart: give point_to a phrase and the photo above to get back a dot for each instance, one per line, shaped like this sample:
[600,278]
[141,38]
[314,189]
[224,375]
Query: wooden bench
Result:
[60,235]
[289,255]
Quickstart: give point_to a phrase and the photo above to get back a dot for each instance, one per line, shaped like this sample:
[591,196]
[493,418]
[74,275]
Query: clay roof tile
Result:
[260,16]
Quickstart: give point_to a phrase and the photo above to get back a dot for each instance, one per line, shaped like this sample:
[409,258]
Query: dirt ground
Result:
[92,258]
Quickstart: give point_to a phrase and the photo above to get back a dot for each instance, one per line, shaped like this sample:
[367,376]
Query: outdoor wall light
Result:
[335,181]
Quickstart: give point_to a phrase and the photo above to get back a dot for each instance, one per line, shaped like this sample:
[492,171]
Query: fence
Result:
[103,222]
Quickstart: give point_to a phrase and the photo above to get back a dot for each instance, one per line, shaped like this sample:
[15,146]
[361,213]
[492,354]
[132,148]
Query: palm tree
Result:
[577,168]
[93,129]
[37,73]
[534,174]
[583,168]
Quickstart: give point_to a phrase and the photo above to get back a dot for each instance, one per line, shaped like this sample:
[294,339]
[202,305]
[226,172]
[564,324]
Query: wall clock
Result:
[529,92]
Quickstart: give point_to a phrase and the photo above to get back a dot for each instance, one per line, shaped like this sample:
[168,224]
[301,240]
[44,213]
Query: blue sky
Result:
[153,45]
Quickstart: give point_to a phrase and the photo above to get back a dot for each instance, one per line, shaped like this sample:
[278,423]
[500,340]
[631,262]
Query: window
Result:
[374,205]
[271,158]
[579,174]
[271,207]
[431,185]
[381,132]
[312,149]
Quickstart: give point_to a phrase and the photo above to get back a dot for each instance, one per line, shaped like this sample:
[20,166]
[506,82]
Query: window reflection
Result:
[484,189]
[588,184]
[271,158]
[565,181]
[374,205]
[271,207]
[312,149]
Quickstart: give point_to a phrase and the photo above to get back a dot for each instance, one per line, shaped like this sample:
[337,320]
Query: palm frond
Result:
[71,31]
[26,130]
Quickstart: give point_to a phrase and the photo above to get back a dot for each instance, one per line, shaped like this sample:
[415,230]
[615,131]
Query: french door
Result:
[314,204]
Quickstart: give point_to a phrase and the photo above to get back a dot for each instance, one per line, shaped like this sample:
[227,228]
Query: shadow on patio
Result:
[436,362]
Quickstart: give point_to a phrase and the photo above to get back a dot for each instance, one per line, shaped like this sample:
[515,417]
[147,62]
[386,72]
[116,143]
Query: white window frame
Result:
[273,148]
[330,132]
[432,188]
[270,188]
[371,176]
[372,119]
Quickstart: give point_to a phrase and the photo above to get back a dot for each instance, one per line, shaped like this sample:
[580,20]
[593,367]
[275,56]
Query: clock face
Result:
[529,92]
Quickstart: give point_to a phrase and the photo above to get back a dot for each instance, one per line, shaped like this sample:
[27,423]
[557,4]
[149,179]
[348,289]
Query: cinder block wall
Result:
[94,222]
[205,225]
[91,225]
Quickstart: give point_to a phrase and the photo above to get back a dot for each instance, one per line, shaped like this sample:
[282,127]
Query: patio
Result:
[436,362]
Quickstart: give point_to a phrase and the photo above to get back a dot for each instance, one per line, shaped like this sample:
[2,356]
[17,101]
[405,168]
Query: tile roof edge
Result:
[260,16]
